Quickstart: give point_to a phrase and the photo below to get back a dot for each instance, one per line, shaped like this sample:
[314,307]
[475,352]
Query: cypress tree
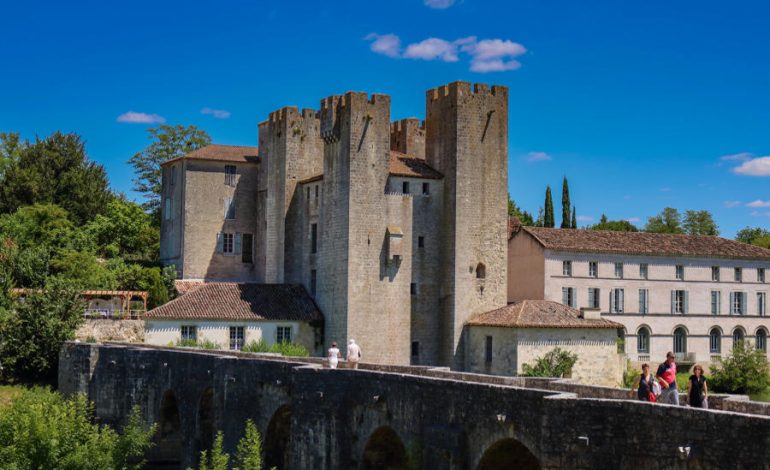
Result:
[574,218]
[565,205]
[548,220]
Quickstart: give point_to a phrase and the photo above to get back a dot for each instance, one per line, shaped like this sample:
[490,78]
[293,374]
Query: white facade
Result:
[165,332]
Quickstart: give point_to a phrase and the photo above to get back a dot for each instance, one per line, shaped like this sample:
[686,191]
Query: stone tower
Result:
[467,140]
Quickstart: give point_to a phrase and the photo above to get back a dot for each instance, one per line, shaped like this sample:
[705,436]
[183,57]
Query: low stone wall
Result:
[104,330]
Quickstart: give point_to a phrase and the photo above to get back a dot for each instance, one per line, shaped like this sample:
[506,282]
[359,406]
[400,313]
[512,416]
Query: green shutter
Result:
[220,242]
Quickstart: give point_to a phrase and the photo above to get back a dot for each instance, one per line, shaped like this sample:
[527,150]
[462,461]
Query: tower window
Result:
[413,288]
[313,238]
[230,175]
[425,189]
[488,350]
[405,187]
[420,242]
[481,271]
[313,282]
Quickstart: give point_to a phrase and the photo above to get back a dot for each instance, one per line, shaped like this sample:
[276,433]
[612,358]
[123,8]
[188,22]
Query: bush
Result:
[630,375]
[256,346]
[556,363]
[248,454]
[744,371]
[290,349]
[191,343]
[40,429]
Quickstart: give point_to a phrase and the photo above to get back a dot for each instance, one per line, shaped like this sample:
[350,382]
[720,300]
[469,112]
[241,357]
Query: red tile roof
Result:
[241,301]
[184,286]
[538,314]
[643,243]
[409,166]
[222,153]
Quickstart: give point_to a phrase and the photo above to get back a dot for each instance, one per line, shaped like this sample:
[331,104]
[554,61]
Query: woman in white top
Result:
[333,355]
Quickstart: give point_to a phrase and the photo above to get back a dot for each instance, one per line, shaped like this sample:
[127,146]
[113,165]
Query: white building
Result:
[693,295]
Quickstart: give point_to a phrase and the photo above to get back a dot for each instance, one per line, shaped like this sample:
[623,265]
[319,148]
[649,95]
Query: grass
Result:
[762,396]
[8,393]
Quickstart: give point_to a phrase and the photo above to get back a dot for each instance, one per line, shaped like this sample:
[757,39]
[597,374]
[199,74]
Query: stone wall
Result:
[437,419]
[101,330]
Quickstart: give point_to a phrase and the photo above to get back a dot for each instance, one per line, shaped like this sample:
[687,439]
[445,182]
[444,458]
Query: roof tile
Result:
[224,153]
[538,314]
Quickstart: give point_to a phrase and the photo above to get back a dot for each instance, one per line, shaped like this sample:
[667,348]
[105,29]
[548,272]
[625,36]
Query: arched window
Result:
[643,340]
[715,341]
[481,271]
[761,342]
[680,341]
[738,335]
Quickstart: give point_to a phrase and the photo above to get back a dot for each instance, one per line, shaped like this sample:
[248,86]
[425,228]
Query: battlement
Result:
[292,112]
[459,88]
[332,106]
[408,136]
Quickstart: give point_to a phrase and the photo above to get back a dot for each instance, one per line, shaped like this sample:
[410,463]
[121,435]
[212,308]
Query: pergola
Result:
[126,296]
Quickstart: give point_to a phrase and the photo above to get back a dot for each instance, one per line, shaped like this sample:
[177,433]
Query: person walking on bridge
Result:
[333,355]
[666,375]
[354,354]
[643,385]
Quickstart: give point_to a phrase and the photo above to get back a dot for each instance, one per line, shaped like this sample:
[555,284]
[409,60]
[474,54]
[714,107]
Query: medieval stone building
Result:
[397,230]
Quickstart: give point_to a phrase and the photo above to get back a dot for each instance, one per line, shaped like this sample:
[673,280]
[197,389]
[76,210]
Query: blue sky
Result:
[636,102]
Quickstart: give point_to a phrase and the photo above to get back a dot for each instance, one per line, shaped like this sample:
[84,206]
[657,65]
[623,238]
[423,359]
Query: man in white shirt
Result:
[354,354]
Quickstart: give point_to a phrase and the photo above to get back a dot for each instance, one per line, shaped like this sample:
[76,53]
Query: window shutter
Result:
[564,296]
[613,295]
[732,302]
[622,300]
[220,242]
[598,298]
[686,302]
[237,243]
[574,298]
[745,303]
[673,302]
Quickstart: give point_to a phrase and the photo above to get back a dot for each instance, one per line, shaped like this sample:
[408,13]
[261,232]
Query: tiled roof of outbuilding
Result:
[643,243]
[409,166]
[223,153]
[241,301]
[538,314]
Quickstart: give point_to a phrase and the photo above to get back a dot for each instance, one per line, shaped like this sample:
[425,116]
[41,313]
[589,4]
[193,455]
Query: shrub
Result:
[191,343]
[630,375]
[248,455]
[256,346]
[290,349]
[744,371]
[40,429]
[556,363]
[215,458]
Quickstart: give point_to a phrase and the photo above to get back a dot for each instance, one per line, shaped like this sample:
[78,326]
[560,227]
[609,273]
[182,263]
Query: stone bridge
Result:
[382,417]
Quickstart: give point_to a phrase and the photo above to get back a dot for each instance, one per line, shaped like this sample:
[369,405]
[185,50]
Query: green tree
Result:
[614,225]
[668,221]
[124,230]
[55,170]
[514,211]
[565,205]
[756,236]
[38,225]
[700,223]
[249,453]
[42,430]
[215,458]
[745,370]
[555,363]
[35,329]
[574,217]
[548,219]
[167,142]
[10,149]
[82,270]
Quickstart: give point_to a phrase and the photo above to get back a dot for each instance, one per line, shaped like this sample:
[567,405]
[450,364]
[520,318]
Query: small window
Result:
[316,191]
[167,209]
[313,281]
[488,350]
[619,270]
[643,271]
[568,296]
[738,335]
[738,275]
[420,242]
[761,275]
[283,334]
[405,187]
[413,288]
[230,175]
[481,271]
[715,341]
[189,333]
[229,208]
[716,302]
[644,301]
[313,238]
[737,303]
[415,349]
[617,301]
[228,242]
[715,273]
[761,304]
[236,338]
[680,341]
[593,269]
[594,297]
[643,341]
[307,193]
[247,248]
[425,189]
[679,301]
[680,272]
[761,341]
[566,268]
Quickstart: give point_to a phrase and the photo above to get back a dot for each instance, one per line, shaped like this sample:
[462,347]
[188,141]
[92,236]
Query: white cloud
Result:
[633,220]
[732,204]
[141,118]
[759,166]
[736,157]
[538,157]
[584,218]
[760,214]
[758,203]
[494,55]
[439,4]
[385,44]
[217,113]
[432,48]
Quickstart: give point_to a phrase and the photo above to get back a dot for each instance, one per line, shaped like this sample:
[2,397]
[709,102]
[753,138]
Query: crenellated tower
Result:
[408,136]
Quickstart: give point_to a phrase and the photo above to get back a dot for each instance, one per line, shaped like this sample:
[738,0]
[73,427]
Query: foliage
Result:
[668,221]
[745,370]
[34,331]
[191,343]
[614,225]
[10,149]
[574,217]
[283,348]
[548,218]
[55,170]
[555,363]
[514,211]
[167,142]
[630,375]
[249,453]
[124,230]
[699,223]
[565,205]
[40,429]
[253,346]
[756,236]
[215,458]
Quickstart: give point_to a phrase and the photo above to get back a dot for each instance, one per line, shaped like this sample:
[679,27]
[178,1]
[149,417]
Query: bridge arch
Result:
[205,424]
[168,449]
[384,451]
[276,447]
[508,453]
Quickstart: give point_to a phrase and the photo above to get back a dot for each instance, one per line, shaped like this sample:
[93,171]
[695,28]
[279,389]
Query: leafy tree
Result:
[55,170]
[249,452]
[83,270]
[38,225]
[548,219]
[167,142]
[215,458]
[745,370]
[10,149]
[555,363]
[34,331]
[514,211]
[700,223]
[614,225]
[756,236]
[42,430]
[124,230]
[668,221]
[574,217]
[565,205]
